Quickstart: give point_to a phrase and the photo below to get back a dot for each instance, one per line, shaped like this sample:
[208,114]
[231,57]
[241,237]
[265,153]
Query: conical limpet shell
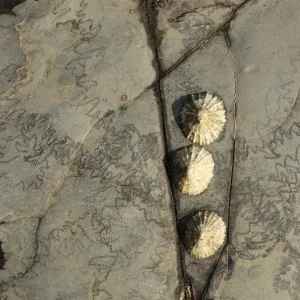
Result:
[203,118]
[193,170]
[205,234]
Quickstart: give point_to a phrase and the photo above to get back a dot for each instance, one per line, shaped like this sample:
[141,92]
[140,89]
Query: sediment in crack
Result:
[148,18]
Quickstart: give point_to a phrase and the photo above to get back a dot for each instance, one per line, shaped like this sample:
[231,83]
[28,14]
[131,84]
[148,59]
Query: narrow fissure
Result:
[148,12]
[2,259]
[228,43]
[6,6]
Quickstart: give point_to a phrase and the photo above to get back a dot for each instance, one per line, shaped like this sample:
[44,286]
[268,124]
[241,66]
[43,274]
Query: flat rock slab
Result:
[108,231]
[85,208]
[261,261]
[182,25]
[90,100]
[78,58]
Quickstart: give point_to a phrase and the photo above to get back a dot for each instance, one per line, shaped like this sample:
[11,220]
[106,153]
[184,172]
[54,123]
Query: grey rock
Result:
[109,230]
[12,58]
[19,245]
[90,98]
[182,25]
[71,79]
[208,69]
[263,248]
[85,209]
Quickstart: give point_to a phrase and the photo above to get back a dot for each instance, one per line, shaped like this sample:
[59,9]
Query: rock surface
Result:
[263,251]
[90,100]
[183,25]
[85,201]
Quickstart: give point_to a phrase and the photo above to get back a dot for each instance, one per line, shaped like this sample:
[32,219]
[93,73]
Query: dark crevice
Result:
[2,259]
[222,5]
[6,6]
[36,245]
[226,35]
[225,31]
[149,17]
[180,17]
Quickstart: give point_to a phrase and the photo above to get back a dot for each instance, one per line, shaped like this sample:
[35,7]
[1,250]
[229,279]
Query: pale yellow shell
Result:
[186,293]
[203,118]
[205,234]
[198,171]
[182,295]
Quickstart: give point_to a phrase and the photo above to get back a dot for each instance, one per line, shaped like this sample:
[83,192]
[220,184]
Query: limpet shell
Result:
[205,234]
[203,118]
[193,170]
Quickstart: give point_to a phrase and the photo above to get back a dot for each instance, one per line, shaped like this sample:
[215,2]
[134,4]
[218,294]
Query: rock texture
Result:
[85,201]
[91,94]
[12,57]
[183,25]
[263,248]
[108,220]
